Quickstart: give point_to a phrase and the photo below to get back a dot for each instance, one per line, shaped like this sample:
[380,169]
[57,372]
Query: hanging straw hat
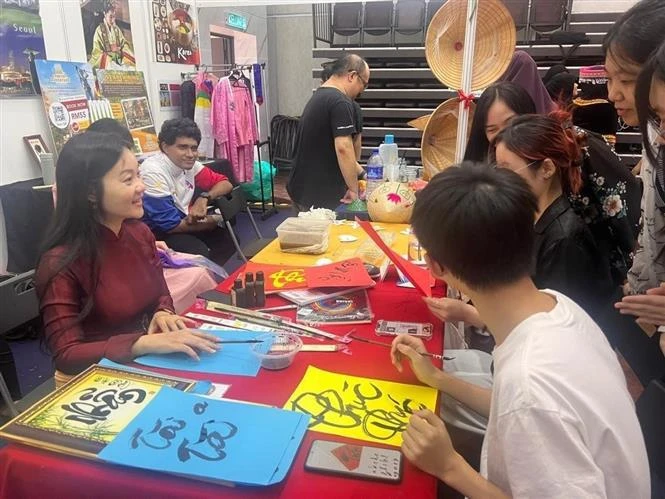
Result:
[440,138]
[495,43]
[420,123]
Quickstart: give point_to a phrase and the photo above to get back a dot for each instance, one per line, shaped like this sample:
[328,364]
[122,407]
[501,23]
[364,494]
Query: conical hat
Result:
[495,43]
[420,123]
[439,140]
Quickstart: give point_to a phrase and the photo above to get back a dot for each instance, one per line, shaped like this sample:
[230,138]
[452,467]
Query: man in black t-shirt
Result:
[325,169]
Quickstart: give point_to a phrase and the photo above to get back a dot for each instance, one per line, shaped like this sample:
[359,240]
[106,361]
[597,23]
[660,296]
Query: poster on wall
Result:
[169,96]
[107,33]
[68,89]
[21,39]
[126,91]
[176,31]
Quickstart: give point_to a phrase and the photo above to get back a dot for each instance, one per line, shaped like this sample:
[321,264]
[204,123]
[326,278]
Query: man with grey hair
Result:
[326,169]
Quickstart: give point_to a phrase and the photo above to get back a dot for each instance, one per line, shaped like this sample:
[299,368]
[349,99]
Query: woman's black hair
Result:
[84,160]
[513,96]
[637,33]
[113,127]
[654,69]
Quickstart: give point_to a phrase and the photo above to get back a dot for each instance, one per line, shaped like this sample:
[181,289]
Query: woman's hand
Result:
[453,310]
[188,342]
[164,321]
[648,308]
[161,245]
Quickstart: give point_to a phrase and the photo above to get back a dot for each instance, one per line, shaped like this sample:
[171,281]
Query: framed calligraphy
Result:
[84,415]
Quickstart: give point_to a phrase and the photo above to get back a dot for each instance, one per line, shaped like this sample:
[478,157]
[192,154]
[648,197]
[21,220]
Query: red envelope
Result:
[277,277]
[345,274]
[418,276]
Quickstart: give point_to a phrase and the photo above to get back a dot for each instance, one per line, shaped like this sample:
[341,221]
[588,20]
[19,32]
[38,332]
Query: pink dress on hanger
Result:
[234,127]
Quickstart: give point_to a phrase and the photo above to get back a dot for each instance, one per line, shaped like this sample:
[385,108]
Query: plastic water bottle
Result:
[390,157]
[374,172]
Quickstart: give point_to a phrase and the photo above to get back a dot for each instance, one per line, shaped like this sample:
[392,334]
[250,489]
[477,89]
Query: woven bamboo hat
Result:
[495,43]
[440,137]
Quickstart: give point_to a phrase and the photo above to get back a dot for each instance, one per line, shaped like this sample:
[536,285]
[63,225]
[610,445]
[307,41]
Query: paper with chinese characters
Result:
[367,409]
[233,358]
[210,439]
[345,274]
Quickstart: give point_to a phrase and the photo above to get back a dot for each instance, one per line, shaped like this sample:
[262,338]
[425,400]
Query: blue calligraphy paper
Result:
[202,387]
[195,436]
[235,359]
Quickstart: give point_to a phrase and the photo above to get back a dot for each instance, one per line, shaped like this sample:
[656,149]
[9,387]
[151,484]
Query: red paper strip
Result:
[418,276]
[345,274]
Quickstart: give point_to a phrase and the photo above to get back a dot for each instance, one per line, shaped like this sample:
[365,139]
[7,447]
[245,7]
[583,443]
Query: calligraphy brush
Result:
[226,342]
[389,345]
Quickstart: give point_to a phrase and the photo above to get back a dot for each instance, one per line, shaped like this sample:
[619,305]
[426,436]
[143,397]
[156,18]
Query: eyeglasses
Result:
[496,165]
[363,80]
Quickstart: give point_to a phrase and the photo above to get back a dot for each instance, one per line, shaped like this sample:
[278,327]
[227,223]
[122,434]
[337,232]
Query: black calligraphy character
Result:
[200,407]
[160,436]
[93,406]
[211,443]
[326,408]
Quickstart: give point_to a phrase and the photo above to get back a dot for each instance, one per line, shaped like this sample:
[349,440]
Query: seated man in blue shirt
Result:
[172,178]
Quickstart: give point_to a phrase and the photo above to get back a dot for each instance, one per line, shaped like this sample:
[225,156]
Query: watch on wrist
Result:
[205,195]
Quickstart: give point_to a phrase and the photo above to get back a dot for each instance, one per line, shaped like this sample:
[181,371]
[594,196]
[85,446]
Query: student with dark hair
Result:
[178,189]
[111,126]
[554,430]
[325,168]
[628,45]
[497,105]
[566,257]
[99,281]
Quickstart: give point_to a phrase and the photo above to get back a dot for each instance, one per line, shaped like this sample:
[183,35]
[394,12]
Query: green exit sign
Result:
[236,21]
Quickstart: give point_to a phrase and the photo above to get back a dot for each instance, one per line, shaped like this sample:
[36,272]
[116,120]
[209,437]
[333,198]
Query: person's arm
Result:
[215,184]
[358,145]
[60,305]
[407,347]
[346,158]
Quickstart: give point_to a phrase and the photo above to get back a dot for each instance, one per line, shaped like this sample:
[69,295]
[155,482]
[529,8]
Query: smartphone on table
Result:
[355,461]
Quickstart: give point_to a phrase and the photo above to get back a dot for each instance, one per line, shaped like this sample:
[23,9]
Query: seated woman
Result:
[566,257]
[609,200]
[100,284]
[184,284]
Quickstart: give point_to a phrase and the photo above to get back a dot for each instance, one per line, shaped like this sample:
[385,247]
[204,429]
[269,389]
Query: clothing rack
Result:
[267,210]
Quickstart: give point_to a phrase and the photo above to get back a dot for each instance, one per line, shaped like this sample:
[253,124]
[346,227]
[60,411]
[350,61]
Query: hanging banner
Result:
[107,33]
[176,31]
[67,90]
[126,91]
[21,39]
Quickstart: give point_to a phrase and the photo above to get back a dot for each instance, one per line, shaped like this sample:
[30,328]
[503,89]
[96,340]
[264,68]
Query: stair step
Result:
[590,26]
[394,113]
[585,17]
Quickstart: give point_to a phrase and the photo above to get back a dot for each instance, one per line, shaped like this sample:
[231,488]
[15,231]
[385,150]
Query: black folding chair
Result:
[548,16]
[377,20]
[432,8]
[347,19]
[410,18]
[650,410]
[519,10]
[231,205]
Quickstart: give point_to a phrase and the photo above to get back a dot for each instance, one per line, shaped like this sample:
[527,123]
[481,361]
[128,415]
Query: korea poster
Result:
[21,39]
[176,31]
[107,33]
[126,91]
[68,89]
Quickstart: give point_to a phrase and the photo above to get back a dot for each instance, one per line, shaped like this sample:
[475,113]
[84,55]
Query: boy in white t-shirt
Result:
[561,420]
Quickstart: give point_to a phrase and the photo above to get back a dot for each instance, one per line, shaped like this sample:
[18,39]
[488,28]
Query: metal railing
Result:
[322,19]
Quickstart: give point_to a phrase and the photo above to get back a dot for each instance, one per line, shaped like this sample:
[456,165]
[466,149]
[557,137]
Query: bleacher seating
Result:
[402,87]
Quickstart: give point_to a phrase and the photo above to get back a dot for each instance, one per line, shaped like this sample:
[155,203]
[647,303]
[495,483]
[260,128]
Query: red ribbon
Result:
[467,99]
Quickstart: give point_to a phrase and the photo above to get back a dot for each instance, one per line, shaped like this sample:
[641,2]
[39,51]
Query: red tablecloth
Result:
[28,473]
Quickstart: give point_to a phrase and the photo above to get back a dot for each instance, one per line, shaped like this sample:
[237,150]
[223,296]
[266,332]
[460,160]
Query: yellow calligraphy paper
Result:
[367,409]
